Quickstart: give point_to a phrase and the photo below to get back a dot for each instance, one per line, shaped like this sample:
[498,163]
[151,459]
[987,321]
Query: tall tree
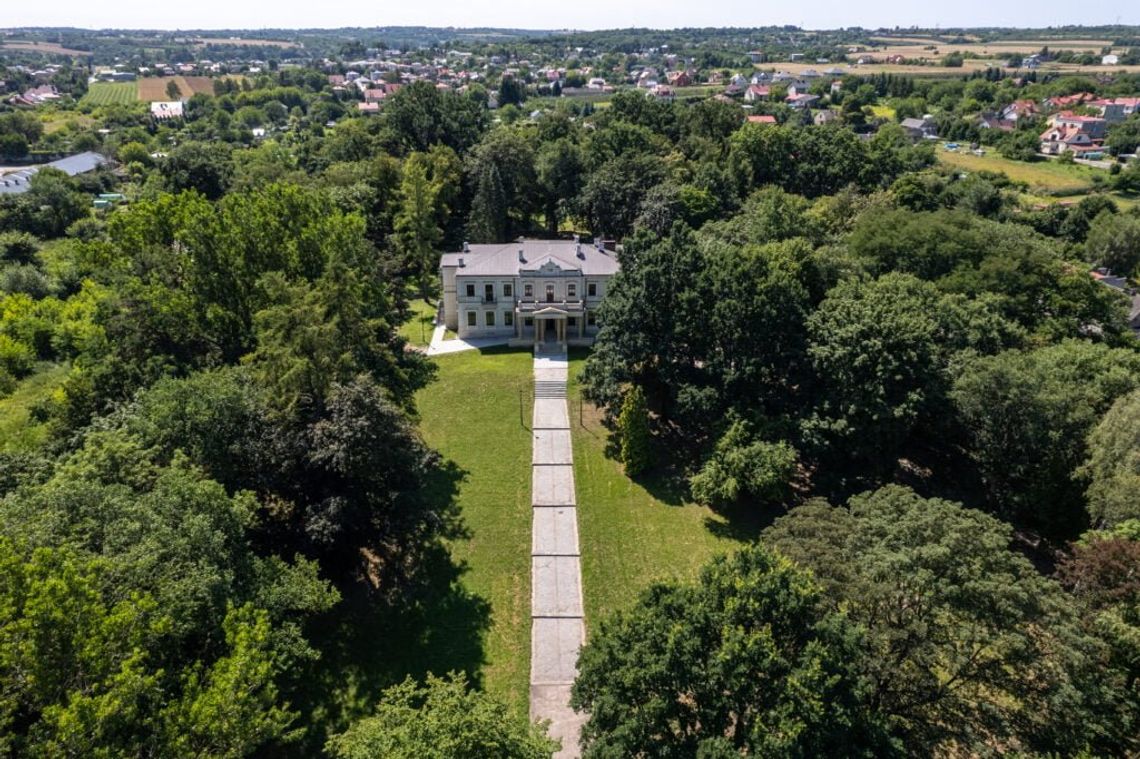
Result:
[417,233]
[743,662]
[969,647]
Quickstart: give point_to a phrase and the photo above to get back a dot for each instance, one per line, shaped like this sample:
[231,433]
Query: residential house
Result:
[1110,60]
[761,118]
[368,109]
[801,100]
[824,116]
[679,79]
[756,56]
[1094,126]
[375,95]
[1068,101]
[1116,109]
[920,129]
[1020,109]
[756,92]
[163,110]
[662,92]
[1066,138]
[992,121]
[531,291]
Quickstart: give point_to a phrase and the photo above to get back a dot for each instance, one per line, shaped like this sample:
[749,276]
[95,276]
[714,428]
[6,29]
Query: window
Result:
[591,319]
[528,291]
[490,318]
[571,290]
[592,289]
[470,291]
[508,290]
[471,319]
[549,293]
[508,319]
[489,293]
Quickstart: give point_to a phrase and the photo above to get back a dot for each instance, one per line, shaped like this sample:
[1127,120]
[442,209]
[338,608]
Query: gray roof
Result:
[502,259]
[80,163]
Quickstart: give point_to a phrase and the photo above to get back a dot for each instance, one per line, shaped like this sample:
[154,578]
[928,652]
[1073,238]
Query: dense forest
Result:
[904,373]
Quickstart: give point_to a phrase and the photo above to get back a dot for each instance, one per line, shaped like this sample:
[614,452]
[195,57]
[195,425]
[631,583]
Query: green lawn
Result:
[633,533]
[418,329]
[471,415]
[1044,177]
[106,93]
[883,112]
[18,432]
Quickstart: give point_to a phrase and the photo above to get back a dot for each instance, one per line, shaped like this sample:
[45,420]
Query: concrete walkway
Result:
[557,624]
[440,346]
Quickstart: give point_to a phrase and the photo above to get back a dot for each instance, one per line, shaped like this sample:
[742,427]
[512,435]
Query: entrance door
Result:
[551,334]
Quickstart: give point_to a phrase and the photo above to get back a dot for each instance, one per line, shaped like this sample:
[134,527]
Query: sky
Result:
[540,14]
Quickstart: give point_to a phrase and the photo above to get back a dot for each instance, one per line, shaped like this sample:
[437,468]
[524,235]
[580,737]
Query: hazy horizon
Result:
[587,15]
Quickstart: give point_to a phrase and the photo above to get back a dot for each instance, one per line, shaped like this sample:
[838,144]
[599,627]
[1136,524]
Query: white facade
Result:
[531,290]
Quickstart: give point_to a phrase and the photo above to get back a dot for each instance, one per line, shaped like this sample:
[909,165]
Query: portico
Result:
[552,324]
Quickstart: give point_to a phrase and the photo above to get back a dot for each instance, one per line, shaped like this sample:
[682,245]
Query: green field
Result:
[1044,177]
[634,533]
[108,93]
[477,414]
[471,414]
[417,330]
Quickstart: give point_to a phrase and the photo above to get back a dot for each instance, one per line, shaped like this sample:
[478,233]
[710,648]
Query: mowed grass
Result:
[1044,177]
[883,112]
[417,330]
[471,415]
[633,533]
[110,93]
[18,431]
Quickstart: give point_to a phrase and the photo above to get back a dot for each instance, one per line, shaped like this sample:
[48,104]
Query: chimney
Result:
[461,262]
[466,247]
[522,256]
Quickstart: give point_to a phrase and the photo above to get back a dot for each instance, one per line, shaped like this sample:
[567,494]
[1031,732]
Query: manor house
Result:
[532,291]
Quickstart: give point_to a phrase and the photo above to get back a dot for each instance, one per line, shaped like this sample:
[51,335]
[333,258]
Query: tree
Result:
[876,349]
[634,437]
[173,91]
[1113,465]
[205,167]
[743,662]
[417,233]
[1114,243]
[441,719]
[501,168]
[968,647]
[745,468]
[1027,416]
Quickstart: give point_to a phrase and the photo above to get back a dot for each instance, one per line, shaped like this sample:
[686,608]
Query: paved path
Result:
[440,346]
[557,624]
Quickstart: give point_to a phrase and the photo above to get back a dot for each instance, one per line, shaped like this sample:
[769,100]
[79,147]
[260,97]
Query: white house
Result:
[532,291]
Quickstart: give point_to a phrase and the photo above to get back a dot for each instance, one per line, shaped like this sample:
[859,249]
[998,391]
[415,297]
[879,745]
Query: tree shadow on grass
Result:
[742,523]
[368,643]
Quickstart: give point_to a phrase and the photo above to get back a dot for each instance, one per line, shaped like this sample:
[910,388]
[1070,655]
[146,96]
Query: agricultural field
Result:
[109,93]
[202,41]
[48,48]
[154,87]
